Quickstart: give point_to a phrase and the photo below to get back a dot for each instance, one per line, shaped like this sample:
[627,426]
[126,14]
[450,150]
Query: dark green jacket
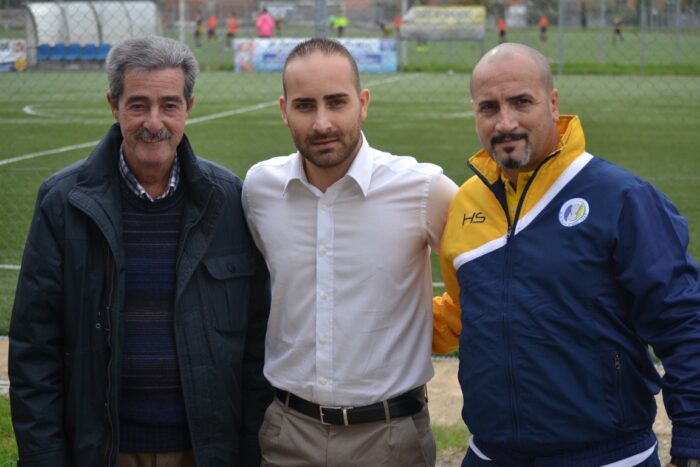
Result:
[67,322]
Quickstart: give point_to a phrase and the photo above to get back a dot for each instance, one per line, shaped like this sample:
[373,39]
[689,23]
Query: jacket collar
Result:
[571,144]
[97,192]
[102,166]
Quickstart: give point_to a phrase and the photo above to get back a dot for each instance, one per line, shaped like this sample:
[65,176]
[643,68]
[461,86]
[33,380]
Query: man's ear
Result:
[364,103]
[112,105]
[190,103]
[554,102]
[283,110]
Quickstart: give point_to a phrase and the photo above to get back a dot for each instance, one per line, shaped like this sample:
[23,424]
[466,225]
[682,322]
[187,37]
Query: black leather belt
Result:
[406,404]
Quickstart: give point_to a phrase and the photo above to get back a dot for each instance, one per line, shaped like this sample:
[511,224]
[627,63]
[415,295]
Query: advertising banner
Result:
[268,55]
[13,55]
[444,23]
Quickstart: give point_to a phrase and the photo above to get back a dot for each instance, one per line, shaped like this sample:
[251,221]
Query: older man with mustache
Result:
[138,327]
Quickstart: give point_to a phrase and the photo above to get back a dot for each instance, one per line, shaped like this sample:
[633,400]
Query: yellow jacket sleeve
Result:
[447,322]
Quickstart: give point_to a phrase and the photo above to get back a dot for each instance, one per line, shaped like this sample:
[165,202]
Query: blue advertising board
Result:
[13,55]
[268,55]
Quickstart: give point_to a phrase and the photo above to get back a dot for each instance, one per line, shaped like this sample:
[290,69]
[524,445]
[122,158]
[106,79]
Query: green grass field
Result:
[646,124]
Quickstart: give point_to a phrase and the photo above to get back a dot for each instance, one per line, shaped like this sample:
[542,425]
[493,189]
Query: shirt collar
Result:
[138,189]
[360,170]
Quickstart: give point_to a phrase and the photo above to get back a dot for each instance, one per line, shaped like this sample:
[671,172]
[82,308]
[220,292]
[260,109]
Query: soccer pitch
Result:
[50,119]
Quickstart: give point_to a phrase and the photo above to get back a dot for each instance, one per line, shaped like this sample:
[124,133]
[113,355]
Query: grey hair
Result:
[147,54]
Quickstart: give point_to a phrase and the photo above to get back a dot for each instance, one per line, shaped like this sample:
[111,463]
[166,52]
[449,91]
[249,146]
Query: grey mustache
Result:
[153,137]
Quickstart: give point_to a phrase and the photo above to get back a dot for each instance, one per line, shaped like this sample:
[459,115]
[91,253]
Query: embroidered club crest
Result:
[573,212]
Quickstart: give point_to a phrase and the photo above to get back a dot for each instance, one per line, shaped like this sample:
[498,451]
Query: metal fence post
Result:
[181,19]
[601,51]
[560,38]
[677,27]
[642,34]
[320,8]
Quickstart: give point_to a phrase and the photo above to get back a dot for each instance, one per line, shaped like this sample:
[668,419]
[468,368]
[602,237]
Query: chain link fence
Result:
[629,68]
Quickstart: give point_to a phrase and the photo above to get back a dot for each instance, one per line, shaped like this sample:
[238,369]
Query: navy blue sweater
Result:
[151,410]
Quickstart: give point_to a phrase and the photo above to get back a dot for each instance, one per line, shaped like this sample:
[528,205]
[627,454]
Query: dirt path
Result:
[446,406]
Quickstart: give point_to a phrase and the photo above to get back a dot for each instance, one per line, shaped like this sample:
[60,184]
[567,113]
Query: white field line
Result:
[28,109]
[192,121]
[48,152]
[228,113]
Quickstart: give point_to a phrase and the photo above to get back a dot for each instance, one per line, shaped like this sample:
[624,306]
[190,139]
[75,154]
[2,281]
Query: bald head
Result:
[514,53]
[516,108]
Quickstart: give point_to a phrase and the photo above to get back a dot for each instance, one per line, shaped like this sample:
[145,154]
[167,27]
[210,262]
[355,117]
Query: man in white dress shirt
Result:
[347,232]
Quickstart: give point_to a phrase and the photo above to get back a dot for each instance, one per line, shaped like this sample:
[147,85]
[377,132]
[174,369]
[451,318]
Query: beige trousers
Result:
[291,439]
[156,459]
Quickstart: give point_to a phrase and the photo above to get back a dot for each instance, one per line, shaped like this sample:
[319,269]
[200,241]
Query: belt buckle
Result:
[321,408]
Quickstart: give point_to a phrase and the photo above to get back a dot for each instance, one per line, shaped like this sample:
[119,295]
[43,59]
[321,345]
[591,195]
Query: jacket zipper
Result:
[618,386]
[507,274]
[110,270]
[80,201]
[516,218]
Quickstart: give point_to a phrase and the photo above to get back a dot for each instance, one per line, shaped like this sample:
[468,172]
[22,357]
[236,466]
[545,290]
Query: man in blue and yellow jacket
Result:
[560,269]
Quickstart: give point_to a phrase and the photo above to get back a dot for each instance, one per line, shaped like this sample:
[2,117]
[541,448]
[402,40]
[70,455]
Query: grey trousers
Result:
[291,439]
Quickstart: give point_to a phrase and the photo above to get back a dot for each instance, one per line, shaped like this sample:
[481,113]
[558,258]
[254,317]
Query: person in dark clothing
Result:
[617,29]
[137,333]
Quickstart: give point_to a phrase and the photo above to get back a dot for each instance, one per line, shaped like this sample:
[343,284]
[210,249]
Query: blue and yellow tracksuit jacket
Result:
[552,309]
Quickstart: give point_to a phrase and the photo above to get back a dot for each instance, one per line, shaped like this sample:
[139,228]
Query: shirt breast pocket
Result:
[227,290]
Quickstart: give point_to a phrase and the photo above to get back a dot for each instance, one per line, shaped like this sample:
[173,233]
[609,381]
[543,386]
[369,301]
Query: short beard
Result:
[333,162]
[509,162]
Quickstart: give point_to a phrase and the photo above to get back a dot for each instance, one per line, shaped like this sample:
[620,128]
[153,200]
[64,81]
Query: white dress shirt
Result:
[351,316]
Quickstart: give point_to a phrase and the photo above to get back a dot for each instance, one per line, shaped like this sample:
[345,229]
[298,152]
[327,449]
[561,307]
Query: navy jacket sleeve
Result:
[653,264]
[36,341]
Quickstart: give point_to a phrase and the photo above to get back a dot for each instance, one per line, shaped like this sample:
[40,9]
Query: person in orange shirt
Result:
[232,27]
[211,27]
[501,30]
[544,23]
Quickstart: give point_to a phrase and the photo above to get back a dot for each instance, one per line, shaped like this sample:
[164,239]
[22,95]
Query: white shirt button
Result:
[323,341]
[324,296]
[323,381]
[323,250]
